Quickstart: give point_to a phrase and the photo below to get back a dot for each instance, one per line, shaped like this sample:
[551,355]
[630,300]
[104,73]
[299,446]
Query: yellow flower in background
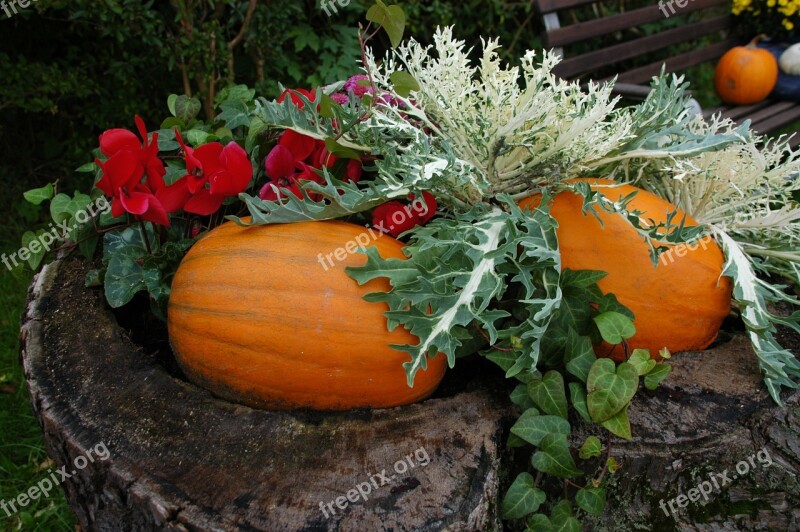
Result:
[773,17]
[788,24]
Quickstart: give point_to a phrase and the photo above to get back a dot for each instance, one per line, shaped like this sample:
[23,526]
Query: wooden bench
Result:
[597,45]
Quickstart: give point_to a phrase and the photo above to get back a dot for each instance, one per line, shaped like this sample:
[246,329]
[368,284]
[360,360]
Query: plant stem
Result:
[144,236]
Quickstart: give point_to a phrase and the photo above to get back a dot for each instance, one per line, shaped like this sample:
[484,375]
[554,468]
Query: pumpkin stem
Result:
[756,40]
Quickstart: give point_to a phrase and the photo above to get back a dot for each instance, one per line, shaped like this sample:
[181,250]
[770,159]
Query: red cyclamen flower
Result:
[130,160]
[395,218]
[214,172]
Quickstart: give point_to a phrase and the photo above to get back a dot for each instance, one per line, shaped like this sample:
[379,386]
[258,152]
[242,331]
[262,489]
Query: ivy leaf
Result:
[582,278]
[578,354]
[656,375]
[548,393]
[641,361]
[171,99]
[539,523]
[553,457]
[186,108]
[404,83]
[390,18]
[522,498]
[520,396]
[32,244]
[38,195]
[610,388]
[619,425]
[614,327]
[562,519]
[591,448]
[591,500]
[578,395]
[532,427]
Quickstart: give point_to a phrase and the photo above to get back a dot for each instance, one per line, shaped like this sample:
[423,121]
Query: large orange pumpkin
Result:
[680,304]
[267,316]
[745,74]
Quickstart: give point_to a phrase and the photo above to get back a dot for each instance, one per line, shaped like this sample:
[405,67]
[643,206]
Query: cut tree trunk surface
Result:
[181,459]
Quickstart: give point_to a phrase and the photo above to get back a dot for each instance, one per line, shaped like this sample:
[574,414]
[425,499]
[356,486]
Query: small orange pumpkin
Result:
[680,304]
[259,315]
[745,74]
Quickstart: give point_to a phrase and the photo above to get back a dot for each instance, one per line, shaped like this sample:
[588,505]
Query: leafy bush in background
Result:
[74,68]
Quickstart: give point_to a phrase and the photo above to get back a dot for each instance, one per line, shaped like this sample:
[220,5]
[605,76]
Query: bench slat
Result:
[591,61]
[594,28]
[740,111]
[778,120]
[548,6]
[677,63]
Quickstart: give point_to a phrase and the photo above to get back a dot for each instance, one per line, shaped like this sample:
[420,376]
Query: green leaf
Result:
[582,278]
[326,106]
[186,108]
[610,388]
[591,448]
[577,393]
[619,425]
[198,137]
[87,168]
[341,151]
[549,394]
[171,99]
[656,375]
[579,355]
[539,523]
[532,427]
[515,441]
[404,83]
[59,207]
[124,251]
[553,457]
[520,397]
[504,359]
[614,327]
[641,361]
[562,520]
[522,498]
[32,246]
[38,195]
[391,19]
[94,278]
[591,500]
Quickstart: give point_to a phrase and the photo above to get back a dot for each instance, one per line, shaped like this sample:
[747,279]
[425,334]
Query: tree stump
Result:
[181,459]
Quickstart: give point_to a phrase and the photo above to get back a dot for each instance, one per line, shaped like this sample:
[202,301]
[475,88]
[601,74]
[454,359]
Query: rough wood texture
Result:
[181,459]
[712,413]
[184,460]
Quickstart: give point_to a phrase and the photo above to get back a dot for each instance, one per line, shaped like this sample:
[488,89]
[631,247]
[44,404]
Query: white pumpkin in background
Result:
[790,60]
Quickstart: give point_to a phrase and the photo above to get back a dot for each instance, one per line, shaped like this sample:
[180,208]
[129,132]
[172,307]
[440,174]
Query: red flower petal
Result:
[239,171]
[279,162]
[208,155]
[156,213]
[300,145]
[135,202]
[425,209]
[394,218]
[204,203]
[123,169]
[173,197]
[115,140]
[353,171]
[293,93]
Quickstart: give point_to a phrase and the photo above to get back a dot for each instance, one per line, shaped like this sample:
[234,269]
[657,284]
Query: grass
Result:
[23,461]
